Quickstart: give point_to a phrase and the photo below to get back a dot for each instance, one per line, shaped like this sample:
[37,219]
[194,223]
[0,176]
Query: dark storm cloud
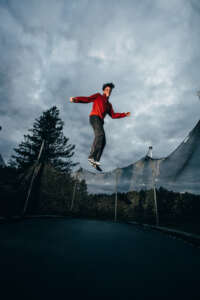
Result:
[51,50]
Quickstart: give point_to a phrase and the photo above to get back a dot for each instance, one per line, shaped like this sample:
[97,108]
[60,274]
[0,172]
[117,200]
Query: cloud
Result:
[51,50]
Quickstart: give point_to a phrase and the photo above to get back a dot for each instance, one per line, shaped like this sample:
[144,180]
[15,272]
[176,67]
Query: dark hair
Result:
[111,85]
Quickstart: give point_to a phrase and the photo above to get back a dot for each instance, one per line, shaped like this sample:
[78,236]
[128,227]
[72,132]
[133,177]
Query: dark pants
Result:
[99,139]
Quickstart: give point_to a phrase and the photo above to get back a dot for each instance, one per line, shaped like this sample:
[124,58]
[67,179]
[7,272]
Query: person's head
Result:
[107,88]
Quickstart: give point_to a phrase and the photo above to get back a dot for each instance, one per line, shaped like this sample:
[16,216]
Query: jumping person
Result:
[101,107]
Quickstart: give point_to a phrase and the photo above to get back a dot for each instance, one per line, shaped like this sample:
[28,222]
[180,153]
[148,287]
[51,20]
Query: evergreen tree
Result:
[56,151]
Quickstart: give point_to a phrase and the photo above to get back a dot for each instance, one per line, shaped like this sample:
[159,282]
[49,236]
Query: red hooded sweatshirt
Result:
[101,106]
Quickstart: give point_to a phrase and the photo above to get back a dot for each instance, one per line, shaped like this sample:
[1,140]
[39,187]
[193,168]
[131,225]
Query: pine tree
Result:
[57,151]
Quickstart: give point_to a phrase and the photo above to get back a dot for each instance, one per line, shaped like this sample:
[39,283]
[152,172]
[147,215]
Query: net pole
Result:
[34,175]
[155,196]
[116,183]
[74,192]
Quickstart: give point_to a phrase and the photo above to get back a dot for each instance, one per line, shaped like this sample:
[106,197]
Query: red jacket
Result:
[101,106]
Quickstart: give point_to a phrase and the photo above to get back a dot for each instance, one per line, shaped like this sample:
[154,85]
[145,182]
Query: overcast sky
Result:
[150,49]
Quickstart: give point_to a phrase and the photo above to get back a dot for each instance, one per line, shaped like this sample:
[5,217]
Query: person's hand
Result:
[71,99]
[128,114]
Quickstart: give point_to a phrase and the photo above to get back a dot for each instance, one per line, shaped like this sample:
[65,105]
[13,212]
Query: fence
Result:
[139,193]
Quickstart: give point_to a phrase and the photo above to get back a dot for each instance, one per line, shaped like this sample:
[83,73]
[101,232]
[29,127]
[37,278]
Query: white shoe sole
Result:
[92,161]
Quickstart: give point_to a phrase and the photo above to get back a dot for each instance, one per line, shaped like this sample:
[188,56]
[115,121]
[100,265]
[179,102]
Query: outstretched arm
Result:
[115,115]
[81,99]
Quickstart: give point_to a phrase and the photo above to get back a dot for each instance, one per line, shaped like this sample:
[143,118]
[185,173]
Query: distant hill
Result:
[179,171]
